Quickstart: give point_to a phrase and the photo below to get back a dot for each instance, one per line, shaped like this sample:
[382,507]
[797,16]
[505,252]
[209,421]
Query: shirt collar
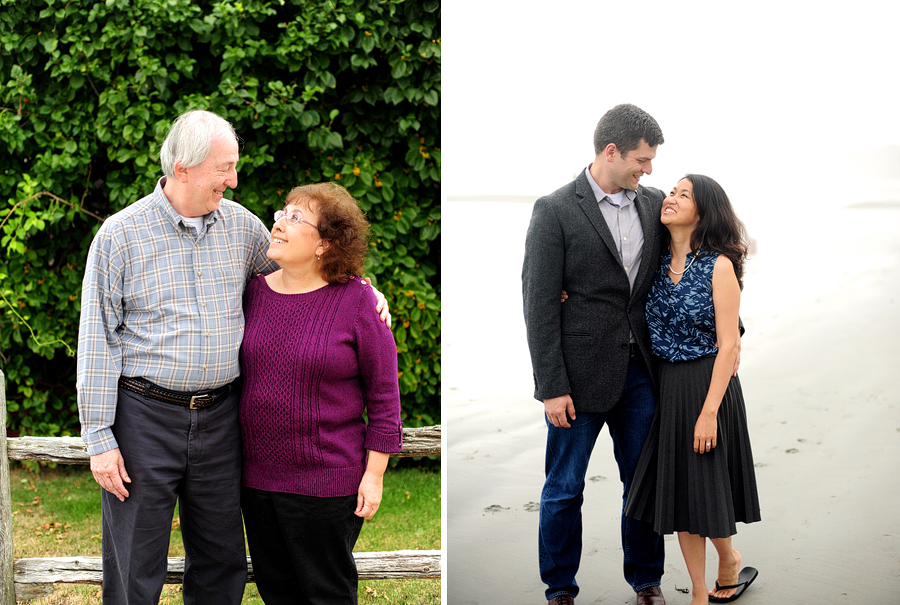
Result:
[630,194]
[166,207]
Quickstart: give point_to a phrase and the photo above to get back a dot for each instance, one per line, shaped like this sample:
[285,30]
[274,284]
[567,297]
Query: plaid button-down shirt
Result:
[163,303]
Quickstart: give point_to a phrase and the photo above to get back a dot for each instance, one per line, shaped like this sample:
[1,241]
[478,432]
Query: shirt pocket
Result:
[226,287]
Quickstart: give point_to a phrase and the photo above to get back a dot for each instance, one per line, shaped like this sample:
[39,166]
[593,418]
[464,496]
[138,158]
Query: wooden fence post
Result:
[7,586]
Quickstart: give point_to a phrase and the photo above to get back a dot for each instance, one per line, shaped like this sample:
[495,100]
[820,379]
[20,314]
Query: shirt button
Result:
[207,334]
[204,368]
[202,304]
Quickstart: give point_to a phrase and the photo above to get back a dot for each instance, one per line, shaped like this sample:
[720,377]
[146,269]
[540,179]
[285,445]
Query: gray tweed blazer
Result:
[580,347]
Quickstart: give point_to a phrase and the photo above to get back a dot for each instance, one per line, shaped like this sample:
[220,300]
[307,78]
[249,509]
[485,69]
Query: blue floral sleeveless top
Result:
[681,318]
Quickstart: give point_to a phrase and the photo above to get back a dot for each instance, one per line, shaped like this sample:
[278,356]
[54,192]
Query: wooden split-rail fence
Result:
[24,579]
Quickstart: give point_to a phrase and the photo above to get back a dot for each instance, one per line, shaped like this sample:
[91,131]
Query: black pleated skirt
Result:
[675,488]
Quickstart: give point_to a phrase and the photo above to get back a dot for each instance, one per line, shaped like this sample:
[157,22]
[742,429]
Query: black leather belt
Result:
[194,401]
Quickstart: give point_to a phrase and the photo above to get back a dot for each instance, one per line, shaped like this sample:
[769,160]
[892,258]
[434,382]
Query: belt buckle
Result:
[193,405]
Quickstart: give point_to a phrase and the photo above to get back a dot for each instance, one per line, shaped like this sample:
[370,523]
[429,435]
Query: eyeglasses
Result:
[293,218]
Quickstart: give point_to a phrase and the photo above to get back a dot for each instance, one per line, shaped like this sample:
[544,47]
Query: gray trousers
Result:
[194,456]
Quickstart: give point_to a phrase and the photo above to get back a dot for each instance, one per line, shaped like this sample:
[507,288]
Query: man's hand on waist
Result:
[558,408]
[109,471]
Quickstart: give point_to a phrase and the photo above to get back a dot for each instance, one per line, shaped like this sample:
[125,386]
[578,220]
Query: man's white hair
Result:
[190,138]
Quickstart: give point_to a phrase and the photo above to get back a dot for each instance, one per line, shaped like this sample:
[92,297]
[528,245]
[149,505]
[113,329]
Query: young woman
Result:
[695,475]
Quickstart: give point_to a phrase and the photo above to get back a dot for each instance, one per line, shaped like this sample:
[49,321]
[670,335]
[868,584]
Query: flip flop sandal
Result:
[745,578]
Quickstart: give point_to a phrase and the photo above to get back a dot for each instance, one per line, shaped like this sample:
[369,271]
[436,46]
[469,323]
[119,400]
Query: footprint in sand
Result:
[597,478]
[495,508]
[532,507]
[793,450]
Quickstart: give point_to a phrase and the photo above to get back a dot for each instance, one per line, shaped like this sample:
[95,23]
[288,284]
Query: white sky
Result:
[757,95]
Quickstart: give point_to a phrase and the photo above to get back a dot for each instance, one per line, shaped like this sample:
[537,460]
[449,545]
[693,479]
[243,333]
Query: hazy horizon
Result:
[782,92]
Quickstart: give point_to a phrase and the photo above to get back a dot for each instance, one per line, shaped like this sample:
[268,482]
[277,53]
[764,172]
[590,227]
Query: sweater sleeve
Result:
[377,353]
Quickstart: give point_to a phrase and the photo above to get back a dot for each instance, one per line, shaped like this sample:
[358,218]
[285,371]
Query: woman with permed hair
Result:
[695,474]
[317,363]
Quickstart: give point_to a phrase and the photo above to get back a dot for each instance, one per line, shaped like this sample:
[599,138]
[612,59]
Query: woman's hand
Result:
[705,433]
[368,498]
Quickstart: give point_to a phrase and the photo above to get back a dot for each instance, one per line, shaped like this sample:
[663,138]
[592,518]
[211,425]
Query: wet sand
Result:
[820,364]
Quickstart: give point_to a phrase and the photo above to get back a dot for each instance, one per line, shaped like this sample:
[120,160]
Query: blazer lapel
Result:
[588,202]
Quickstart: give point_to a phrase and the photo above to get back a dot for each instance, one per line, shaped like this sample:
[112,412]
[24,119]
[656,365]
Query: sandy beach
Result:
[820,360]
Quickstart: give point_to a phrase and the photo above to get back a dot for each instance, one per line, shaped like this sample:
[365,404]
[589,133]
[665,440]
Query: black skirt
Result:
[675,488]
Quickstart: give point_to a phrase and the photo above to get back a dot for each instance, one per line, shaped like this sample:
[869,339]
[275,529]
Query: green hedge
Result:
[340,90]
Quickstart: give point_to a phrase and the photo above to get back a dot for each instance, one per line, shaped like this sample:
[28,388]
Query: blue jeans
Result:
[568,453]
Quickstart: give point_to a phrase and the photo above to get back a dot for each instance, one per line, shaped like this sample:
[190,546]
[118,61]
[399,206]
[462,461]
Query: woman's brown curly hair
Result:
[342,223]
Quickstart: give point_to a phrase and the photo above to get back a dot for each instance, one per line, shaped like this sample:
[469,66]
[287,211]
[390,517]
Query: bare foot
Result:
[728,576]
[701,599]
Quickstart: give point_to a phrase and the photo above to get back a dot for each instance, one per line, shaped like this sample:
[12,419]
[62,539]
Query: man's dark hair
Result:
[625,125]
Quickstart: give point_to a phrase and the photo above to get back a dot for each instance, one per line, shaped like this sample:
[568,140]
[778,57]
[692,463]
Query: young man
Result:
[597,238]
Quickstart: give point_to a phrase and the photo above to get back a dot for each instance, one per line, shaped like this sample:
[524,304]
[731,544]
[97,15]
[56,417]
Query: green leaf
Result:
[335,140]
[308,119]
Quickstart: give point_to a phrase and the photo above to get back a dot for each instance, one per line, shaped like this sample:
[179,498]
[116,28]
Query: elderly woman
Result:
[320,409]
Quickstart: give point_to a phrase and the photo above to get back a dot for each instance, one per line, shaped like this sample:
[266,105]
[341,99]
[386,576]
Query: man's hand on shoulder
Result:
[381,306]
[109,471]
[560,410]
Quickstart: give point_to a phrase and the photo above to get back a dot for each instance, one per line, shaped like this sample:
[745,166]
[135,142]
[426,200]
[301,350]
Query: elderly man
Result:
[161,326]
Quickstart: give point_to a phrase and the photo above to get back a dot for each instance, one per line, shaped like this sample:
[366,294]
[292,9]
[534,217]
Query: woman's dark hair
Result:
[342,223]
[719,228]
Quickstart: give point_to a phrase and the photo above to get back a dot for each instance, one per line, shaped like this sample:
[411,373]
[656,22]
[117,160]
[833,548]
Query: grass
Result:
[56,513]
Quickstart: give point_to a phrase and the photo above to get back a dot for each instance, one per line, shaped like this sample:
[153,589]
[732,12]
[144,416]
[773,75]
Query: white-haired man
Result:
[158,390]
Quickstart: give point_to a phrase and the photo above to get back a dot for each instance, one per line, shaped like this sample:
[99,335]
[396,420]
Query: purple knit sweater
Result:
[312,364]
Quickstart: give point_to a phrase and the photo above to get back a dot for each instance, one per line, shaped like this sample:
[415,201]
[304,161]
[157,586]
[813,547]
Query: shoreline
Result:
[821,302]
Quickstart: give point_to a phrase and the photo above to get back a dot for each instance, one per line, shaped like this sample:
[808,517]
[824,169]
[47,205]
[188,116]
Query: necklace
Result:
[696,254]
